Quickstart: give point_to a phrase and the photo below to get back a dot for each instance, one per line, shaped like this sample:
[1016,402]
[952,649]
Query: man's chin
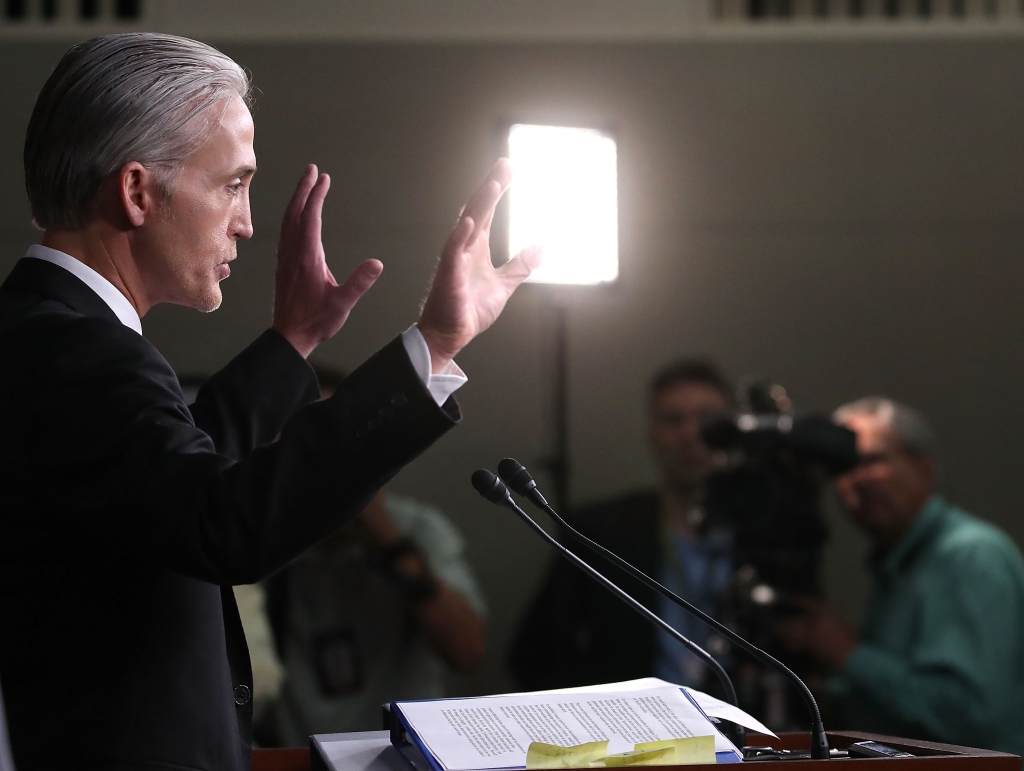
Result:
[213,304]
[207,301]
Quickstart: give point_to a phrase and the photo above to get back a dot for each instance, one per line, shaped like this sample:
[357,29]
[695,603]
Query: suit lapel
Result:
[52,282]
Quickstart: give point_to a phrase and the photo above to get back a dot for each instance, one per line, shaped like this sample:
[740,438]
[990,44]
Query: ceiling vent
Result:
[37,15]
[903,13]
[515,20]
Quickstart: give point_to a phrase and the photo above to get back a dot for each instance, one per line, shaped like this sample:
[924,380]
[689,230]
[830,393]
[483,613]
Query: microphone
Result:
[492,488]
[519,479]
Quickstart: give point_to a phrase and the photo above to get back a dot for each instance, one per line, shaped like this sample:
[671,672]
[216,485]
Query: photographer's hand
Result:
[454,630]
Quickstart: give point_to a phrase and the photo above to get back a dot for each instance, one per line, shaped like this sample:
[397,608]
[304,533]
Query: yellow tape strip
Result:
[694,751]
[541,755]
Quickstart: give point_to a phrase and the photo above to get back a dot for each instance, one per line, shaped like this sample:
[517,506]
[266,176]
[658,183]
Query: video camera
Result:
[768,491]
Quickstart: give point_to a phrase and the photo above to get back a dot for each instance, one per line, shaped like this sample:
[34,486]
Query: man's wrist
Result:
[441,384]
[440,358]
[300,343]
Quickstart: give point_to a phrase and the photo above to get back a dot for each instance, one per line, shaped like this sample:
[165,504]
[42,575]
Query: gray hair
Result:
[907,425]
[114,99]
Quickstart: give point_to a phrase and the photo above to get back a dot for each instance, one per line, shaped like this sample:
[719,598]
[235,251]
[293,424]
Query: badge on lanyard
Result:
[339,666]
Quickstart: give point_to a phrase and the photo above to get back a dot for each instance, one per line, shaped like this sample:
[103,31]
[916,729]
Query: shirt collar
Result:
[109,293]
[919,532]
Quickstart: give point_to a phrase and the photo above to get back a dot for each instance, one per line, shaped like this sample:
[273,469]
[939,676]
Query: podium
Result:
[928,755]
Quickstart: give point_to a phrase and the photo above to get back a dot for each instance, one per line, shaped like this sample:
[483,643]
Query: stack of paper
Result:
[495,732]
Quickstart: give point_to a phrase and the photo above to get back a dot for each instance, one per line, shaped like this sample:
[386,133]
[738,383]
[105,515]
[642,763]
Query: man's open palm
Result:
[468,293]
[310,306]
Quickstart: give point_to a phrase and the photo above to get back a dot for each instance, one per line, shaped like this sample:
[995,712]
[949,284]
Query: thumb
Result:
[519,268]
[365,275]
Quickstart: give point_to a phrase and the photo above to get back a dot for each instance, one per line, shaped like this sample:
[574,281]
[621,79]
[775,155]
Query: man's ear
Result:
[138,192]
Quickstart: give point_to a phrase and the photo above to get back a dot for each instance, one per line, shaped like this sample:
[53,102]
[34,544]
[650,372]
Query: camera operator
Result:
[939,653]
[575,632]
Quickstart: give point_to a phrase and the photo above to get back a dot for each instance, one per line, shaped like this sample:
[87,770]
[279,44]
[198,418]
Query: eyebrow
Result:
[243,171]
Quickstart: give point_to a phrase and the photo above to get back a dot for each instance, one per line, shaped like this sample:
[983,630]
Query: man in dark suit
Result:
[127,515]
[575,632]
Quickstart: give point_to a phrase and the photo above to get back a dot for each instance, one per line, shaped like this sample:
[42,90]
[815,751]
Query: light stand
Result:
[557,463]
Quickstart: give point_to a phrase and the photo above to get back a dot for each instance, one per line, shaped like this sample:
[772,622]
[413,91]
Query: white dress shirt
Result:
[109,293]
[440,386]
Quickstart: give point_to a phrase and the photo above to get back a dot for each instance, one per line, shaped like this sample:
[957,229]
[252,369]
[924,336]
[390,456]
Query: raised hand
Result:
[467,293]
[310,306]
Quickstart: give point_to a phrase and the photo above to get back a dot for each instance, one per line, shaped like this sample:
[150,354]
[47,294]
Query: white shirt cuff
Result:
[441,385]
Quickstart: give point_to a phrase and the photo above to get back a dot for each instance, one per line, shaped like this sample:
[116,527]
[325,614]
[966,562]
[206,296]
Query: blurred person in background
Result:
[575,632]
[6,762]
[380,611]
[938,655]
[267,672]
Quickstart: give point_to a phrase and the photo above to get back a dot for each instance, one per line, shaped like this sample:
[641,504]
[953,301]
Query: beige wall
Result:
[841,217]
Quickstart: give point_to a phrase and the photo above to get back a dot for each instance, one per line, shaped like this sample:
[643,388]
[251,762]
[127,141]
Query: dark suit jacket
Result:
[126,517]
[576,632]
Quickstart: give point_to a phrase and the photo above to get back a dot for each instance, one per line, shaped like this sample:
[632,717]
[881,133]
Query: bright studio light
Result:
[564,197]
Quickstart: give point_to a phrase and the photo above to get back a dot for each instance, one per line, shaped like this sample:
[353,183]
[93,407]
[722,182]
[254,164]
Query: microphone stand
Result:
[492,488]
[519,479]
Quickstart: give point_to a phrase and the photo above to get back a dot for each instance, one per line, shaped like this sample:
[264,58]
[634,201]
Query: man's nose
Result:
[242,225]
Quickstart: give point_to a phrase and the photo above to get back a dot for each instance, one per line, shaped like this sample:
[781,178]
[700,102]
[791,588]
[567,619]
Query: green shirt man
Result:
[940,654]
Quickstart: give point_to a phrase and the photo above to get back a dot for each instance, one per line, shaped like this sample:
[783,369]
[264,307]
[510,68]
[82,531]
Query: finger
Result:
[298,202]
[347,294]
[311,219]
[532,255]
[519,268]
[501,173]
[313,210]
[457,241]
[482,203]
